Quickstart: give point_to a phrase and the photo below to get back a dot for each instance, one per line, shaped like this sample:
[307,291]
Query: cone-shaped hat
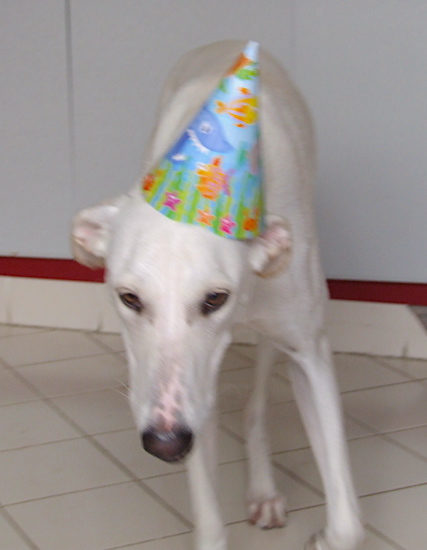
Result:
[212,176]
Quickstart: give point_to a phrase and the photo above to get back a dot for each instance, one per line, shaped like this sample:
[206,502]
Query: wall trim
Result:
[48,268]
[339,289]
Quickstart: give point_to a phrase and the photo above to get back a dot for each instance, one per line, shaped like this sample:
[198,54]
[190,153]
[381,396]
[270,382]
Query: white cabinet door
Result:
[35,182]
[363,66]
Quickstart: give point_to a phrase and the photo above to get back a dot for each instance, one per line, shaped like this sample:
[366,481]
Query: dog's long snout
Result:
[170,446]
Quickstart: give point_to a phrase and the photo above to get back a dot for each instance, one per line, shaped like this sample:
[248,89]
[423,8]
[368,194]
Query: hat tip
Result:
[251,50]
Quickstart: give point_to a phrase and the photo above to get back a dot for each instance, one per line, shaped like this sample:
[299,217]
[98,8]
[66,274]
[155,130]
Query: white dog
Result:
[180,289]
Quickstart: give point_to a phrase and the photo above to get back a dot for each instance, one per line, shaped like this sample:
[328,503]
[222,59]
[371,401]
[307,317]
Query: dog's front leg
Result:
[202,466]
[267,507]
[317,396]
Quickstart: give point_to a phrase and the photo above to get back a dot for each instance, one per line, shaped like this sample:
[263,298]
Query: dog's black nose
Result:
[170,446]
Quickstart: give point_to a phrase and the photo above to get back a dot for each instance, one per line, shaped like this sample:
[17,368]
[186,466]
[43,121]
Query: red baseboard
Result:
[69,270]
[48,268]
[414,294]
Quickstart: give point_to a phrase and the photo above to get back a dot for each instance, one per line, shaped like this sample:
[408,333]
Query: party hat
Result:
[212,175]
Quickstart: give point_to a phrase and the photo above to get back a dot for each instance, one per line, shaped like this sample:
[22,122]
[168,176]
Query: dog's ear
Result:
[271,251]
[90,233]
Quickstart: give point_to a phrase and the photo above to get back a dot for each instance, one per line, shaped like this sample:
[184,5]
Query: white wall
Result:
[78,88]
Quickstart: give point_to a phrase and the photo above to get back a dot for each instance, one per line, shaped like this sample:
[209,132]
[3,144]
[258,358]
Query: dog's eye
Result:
[213,301]
[131,301]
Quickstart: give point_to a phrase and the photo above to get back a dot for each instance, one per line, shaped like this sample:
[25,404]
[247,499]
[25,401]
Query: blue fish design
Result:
[205,133]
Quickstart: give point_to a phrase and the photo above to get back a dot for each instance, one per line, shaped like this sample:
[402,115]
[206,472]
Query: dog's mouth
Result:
[169,446]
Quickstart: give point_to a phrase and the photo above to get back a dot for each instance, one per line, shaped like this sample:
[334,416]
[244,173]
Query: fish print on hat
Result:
[212,176]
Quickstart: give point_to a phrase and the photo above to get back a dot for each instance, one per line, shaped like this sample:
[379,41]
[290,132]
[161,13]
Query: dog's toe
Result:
[268,514]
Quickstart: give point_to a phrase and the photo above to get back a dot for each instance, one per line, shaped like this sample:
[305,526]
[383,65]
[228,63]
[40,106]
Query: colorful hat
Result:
[212,176]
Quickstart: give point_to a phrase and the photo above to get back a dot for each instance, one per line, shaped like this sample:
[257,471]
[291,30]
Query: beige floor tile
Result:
[235,360]
[355,372]
[10,539]
[46,346]
[354,429]
[415,368]
[232,491]
[250,351]
[56,468]
[389,408]
[414,439]
[99,411]
[79,375]
[235,388]
[377,466]
[245,350]
[285,429]
[400,515]
[229,449]
[12,390]
[114,342]
[32,424]
[98,519]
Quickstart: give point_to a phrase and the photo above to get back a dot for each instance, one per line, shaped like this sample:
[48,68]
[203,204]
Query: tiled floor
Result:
[73,475]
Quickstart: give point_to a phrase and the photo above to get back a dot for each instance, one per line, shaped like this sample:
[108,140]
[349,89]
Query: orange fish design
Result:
[212,179]
[250,224]
[148,182]
[241,62]
[244,109]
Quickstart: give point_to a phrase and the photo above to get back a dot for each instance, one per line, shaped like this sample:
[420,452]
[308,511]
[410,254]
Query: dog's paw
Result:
[318,541]
[268,514]
[211,538]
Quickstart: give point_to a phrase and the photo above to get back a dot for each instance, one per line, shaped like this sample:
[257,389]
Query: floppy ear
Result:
[271,251]
[90,233]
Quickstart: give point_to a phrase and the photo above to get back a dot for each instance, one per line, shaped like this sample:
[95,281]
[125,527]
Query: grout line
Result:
[62,360]
[165,538]
[232,434]
[388,385]
[37,330]
[65,493]
[394,490]
[411,377]
[298,479]
[45,443]
[94,340]
[43,397]
[383,537]
[17,528]
[388,437]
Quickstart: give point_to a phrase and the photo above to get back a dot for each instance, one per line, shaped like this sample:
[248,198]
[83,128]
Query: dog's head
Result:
[177,289]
